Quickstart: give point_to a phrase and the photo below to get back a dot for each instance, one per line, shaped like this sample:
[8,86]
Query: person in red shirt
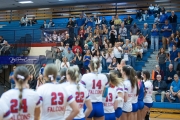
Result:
[140,40]
[74,49]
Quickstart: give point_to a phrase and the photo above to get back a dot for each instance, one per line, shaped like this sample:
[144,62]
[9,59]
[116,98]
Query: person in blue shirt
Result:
[163,17]
[174,89]
[173,56]
[11,78]
[81,21]
[166,30]
[141,95]
[41,71]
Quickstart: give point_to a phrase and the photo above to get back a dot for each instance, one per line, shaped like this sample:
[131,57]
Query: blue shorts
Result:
[149,105]
[118,112]
[140,105]
[110,116]
[97,110]
[79,119]
[135,107]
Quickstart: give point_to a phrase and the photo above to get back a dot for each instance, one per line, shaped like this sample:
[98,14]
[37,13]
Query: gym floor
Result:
[164,116]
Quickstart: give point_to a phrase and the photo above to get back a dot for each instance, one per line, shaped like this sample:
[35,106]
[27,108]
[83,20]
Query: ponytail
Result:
[94,64]
[133,79]
[21,81]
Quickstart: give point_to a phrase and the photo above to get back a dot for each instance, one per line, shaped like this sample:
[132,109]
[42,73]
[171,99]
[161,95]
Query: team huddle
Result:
[90,97]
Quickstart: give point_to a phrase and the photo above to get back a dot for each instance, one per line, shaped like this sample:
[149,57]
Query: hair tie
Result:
[51,76]
[63,77]
[20,77]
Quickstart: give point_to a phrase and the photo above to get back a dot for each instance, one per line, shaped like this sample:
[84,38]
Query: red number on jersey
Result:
[79,97]
[109,98]
[60,100]
[98,84]
[14,106]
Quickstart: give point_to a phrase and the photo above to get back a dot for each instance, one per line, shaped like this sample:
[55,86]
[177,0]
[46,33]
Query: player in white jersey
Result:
[135,93]
[95,83]
[112,99]
[22,102]
[148,102]
[5,113]
[129,84]
[55,97]
[80,93]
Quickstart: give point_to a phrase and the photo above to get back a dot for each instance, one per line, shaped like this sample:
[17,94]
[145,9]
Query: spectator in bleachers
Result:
[68,40]
[146,32]
[111,22]
[139,14]
[133,50]
[40,81]
[82,33]
[163,17]
[112,35]
[123,32]
[166,30]
[127,44]
[104,21]
[139,53]
[44,25]
[89,21]
[158,71]
[156,10]
[1,39]
[98,21]
[145,15]
[89,40]
[171,41]
[173,20]
[86,59]
[117,22]
[32,82]
[11,79]
[174,90]
[95,47]
[128,20]
[113,64]
[80,22]
[69,55]
[126,56]
[85,49]
[65,63]
[117,51]
[103,53]
[120,40]
[134,32]
[98,56]
[155,38]
[109,56]
[173,55]
[161,57]
[54,36]
[74,49]
[5,48]
[71,26]
[178,69]
[140,40]
[159,87]
[157,19]
[88,31]
[58,58]
[24,21]
[51,23]
[33,21]
[104,32]
[151,9]
[178,57]
[169,75]
[78,58]
[145,46]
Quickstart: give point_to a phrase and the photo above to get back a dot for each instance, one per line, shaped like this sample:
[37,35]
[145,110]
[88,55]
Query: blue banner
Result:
[18,59]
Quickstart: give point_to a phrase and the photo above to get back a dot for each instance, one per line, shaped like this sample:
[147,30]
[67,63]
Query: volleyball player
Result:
[148,102]
[95,84]
[129,84]
[111,101]
[141,95]
[55,97]
[5,113]
[23,103]
[80,93]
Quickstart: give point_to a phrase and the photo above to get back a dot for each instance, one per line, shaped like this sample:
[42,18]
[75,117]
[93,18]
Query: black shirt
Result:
[34,21]
[71,24]
[173,19]
[111,22]
[121,40]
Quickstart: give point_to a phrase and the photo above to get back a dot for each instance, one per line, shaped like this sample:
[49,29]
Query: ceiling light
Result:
[61,0]
[25,2]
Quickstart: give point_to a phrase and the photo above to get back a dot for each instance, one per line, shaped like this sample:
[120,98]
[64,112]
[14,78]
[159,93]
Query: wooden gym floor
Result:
[164,116]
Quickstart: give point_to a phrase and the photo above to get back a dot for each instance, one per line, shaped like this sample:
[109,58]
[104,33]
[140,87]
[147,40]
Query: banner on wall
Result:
[53,35]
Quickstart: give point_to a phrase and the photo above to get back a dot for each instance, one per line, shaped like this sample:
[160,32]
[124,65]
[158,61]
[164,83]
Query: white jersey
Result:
[54,101]
[127,106]
[110,99]
[95,84]
[5,113]
[149,89]
[134,95]
[120,89]
[30,101]
[80,96]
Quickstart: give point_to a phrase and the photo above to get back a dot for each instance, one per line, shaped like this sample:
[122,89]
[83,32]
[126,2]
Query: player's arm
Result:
[74,112]
[116,104]
[37,113]
[89,108]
